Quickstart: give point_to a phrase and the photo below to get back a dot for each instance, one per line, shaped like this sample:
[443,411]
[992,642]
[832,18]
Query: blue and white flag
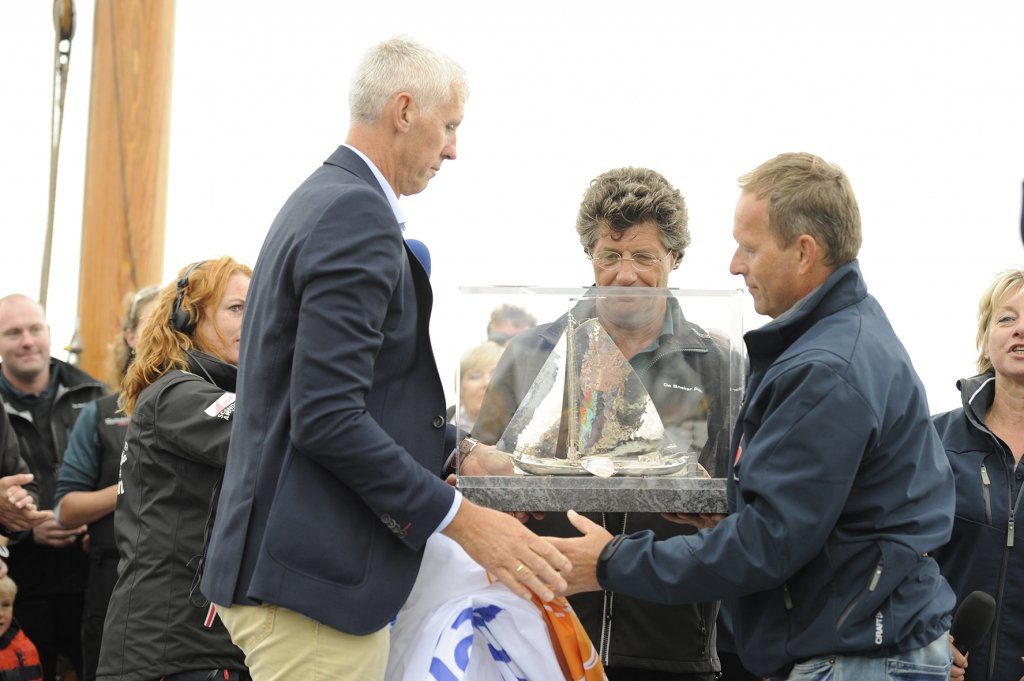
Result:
[458,626]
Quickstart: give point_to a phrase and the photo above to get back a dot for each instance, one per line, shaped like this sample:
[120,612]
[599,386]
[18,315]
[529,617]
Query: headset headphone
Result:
[181,319]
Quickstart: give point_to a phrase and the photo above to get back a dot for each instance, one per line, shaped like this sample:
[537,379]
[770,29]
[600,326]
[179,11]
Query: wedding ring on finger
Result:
[521,569]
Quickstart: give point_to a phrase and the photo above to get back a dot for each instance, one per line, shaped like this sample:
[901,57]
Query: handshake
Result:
[546,566]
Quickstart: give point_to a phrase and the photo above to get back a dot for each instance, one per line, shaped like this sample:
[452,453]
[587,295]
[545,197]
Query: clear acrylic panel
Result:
[605,382]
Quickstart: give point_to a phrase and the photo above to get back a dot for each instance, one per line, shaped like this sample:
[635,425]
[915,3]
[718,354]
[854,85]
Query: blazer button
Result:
[439,422]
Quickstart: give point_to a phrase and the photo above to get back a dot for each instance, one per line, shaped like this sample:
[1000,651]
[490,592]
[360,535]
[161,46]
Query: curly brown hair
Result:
[625,197]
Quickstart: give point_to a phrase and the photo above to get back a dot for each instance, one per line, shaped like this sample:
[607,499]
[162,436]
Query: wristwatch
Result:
[465,447]
[606,554]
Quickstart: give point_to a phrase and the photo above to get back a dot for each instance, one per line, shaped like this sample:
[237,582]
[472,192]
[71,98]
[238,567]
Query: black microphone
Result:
[972,620]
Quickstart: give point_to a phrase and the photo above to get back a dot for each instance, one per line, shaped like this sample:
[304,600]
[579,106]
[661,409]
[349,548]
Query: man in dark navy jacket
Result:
[838,484]
[332,485]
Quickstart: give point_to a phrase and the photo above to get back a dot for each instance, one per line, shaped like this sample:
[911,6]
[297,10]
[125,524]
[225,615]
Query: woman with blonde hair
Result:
[122,348]
[179,392]
[87,482]
[475,370]
[984,441]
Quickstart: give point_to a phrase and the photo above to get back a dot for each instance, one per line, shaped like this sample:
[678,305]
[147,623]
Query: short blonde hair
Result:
[485,354]
[1006,283]
[121,355]
[8,587]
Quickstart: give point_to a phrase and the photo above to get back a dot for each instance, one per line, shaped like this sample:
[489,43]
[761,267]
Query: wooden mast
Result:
[126,166]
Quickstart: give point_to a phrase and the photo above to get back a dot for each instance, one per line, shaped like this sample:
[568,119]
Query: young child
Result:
[18,657]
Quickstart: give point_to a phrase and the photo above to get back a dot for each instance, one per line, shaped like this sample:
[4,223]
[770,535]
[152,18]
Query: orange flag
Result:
[575,653]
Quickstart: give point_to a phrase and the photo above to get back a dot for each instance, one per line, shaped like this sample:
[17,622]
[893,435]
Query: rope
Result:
[64,31]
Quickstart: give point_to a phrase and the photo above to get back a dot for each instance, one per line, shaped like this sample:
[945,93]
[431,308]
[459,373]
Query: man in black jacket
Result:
[42,397]
[632,225]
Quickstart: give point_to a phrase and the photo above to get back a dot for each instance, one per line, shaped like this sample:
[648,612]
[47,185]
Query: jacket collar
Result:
[348,160]
[843,288]
[221,374]
[64,378]
[9,635]
[72,376]
[977,393]
[382,182]
[683,336]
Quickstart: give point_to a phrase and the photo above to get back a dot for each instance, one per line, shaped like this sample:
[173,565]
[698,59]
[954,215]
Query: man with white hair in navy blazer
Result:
[333,485]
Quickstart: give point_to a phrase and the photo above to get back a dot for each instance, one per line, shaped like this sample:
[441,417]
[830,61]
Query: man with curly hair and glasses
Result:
[632,224]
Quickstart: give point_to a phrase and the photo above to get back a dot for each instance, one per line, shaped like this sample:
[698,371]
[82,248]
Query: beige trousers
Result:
[282,645]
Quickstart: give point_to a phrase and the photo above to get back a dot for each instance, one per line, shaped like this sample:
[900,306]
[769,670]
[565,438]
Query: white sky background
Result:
[921,102]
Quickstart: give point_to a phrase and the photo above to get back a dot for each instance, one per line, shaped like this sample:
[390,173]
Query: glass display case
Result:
[598,399]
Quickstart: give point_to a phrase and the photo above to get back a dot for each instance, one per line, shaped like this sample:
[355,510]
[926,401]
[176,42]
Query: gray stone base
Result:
[662,494]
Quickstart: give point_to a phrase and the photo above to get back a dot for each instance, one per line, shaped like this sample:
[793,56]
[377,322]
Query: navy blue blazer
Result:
[332,484]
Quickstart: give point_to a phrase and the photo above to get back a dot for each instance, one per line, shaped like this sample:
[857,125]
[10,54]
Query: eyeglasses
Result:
[642,262]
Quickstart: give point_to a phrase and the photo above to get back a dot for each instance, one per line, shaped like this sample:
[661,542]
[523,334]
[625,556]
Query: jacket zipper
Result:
[36,458]
[608,603]
[985,484]
[876,576]
[609,597]
[997,620]
[1012,503]
[60,445]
